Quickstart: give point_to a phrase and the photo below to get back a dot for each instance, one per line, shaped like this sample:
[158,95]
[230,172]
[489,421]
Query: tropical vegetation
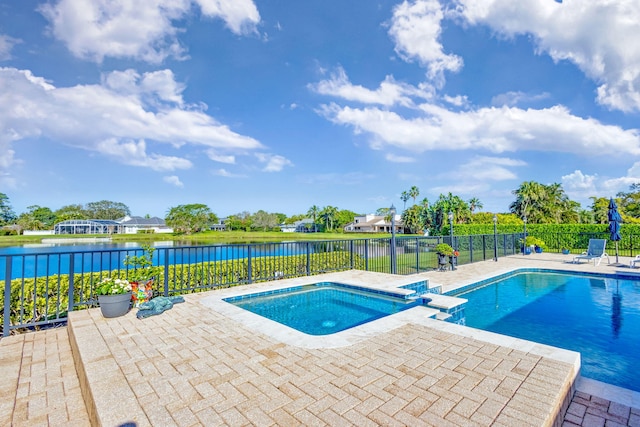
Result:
[533,202]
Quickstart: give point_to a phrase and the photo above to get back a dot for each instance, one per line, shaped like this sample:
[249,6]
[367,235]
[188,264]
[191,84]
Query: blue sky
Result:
[280,105]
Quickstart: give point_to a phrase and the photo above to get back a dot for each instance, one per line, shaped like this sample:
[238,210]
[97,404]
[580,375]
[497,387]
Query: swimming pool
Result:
[323,308]
[598,316]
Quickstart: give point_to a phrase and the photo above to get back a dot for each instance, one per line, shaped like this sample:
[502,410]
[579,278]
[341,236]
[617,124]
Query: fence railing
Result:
[41,288]
[629,245]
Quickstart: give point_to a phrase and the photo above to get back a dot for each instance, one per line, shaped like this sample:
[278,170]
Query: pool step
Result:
[450,309]
[443,316]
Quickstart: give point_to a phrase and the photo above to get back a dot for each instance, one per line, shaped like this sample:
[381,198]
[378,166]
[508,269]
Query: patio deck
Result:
[204,364]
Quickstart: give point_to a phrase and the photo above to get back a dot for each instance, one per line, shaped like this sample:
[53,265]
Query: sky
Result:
[279,105]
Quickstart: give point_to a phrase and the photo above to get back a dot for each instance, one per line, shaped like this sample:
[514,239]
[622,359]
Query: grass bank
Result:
[204,238]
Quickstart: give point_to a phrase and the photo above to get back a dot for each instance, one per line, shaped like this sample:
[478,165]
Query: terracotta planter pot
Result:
[114,305]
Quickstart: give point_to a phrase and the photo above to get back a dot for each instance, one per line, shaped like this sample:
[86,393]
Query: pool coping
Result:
[188,325]
[463,288]
[417,315]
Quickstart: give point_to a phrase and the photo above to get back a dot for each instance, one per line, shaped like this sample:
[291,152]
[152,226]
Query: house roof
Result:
[140,221]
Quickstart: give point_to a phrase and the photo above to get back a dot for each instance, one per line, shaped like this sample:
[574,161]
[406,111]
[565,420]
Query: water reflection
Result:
[616,311]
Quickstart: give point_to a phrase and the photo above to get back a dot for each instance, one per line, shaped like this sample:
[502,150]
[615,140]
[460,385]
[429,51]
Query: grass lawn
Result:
[207,237]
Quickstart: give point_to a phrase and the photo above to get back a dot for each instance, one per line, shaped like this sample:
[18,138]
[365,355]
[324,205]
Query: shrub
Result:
[444,249]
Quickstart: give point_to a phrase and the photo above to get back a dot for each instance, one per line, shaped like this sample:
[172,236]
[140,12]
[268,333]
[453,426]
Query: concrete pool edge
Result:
[610,392]
[414,317]
[567,267]
[417,315]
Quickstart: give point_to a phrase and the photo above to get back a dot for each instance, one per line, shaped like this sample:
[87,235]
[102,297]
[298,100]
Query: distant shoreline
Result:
[77,240]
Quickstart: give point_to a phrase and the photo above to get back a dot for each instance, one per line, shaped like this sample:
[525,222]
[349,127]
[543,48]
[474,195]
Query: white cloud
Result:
[107,118]
[143,30]
[7,163]
[351,178]
[225,173]
[135,154]
[156,85]
[492,129]
[514,98]
[399,159]
[274,163]
[6,44]
[173,180]
[389,93]
[483,168]
[599,36]
[241,16]
[458,101]
[478,177]
[415,28]
[222,158]
[580,186]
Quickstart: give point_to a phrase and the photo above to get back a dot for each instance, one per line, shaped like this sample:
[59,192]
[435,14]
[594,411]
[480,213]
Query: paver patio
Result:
[194,365]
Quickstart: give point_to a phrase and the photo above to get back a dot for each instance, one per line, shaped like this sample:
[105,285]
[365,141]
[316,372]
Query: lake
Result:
[46,259]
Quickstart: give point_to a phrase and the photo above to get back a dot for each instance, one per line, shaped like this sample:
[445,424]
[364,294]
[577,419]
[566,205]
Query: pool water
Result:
[322,308]
[596,316]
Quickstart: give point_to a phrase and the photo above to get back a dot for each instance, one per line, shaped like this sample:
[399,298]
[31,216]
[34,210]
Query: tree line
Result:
[538,203]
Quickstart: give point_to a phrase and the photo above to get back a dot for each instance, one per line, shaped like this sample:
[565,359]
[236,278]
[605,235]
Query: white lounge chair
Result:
[595,252]
[634,261]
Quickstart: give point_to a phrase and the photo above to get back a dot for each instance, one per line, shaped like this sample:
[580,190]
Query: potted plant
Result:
[443,250]
[142,274]
[566,251]
[114,296]
[538,244]
[532,244]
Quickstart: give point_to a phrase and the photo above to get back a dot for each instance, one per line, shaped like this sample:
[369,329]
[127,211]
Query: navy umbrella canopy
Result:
[614,224]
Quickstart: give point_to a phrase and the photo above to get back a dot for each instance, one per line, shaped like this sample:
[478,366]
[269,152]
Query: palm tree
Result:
[600,209]
[414,193]
[543,204]
[630,202]
[475,203]
[528,197]
[404,197]
[328,213]
[313,212]
[425,214]
[411,219]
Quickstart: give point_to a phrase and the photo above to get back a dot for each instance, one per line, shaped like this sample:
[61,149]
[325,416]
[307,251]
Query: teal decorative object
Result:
[156,306]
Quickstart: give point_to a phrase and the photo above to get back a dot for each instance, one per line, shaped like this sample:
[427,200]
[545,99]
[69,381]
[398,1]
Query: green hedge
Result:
[51,298]
[558,236]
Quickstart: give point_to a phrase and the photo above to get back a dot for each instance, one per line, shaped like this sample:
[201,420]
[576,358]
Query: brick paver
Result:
[191,366]
[40,384]
[586,410]
[192,363]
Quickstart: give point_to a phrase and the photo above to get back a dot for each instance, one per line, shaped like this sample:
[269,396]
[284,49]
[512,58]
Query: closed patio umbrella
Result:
[614,224]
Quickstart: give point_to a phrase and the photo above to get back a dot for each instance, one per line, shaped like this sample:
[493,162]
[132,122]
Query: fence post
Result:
[71,293]
[417,255]
[308,266]
[6,326]
[351,249]
[249,264]
[484,247]
[504,245]
[366,255]
[166,273]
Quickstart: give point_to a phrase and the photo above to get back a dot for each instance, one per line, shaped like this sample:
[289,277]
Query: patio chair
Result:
[634,261]
[595,252]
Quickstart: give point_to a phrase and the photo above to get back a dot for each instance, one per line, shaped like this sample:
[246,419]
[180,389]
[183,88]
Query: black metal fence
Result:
[629,245]
[41,288]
